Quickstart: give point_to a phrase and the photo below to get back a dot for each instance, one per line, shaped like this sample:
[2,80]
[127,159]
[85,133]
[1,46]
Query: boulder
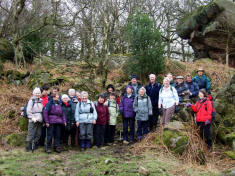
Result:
[207,30]
[175,125]
[16,77]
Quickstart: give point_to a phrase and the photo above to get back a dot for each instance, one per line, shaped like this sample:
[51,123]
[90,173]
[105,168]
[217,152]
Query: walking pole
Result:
[46,138]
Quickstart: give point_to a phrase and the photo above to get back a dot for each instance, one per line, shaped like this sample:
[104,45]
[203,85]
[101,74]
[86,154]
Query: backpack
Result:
[147,102]
[213,113]
[91,108]
[170,88]
[25,109]
[112,106]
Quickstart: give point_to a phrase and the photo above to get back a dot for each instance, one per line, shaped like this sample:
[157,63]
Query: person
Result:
[110,89]
[101,122]
[69,130]
[192,86]
[110,128]
[152,90]
[168,99]
[78,96]
[182,88]
[143,108]
[128,115]
[55,90]
[34,113]
[135,84]
[85,116]
[45,98]
[202,80]
[203,109]
[54,118]
[170,77]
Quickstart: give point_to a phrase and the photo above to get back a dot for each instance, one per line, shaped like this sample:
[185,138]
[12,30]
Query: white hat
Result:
[36,90]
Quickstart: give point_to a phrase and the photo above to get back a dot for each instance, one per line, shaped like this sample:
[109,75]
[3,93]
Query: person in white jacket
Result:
[34,114]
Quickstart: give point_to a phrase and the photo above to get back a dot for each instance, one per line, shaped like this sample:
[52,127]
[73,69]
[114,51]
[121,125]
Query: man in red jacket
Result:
[203,109]
[102,120]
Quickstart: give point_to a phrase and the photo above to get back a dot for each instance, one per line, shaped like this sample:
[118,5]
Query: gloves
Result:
[34,120]
[207,122]
[188,105]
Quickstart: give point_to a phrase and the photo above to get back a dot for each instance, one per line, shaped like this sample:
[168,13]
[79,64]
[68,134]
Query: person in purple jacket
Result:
[54,119]
[128,114]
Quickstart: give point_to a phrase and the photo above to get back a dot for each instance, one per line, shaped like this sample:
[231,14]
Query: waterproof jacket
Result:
[34,109]
[193,88]
[203,82]
[102,114]
[126,106]
[83,113]
[53,113]
[203,109]
[168,97]
[113,111]
[69,113]
[45,100]
[181,88]
[74,102]
[153,92]
[142,107]
[138,86]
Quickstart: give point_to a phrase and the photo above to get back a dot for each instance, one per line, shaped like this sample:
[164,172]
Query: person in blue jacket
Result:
[192,86]
[202,80]
[152,90]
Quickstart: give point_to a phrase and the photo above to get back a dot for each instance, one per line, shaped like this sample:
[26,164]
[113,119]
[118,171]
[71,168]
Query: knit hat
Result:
[129,87]
[110,86]
[36,90]
[101,96]
[133,77]
[65,96]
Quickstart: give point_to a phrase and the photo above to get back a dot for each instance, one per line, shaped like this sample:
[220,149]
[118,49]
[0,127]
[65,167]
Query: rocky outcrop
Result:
[210,31]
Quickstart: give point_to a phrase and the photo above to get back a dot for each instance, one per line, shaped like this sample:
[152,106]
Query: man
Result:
[202,80]
[135,84]
[170,77]
[152,90]
[182,88]
[192,86]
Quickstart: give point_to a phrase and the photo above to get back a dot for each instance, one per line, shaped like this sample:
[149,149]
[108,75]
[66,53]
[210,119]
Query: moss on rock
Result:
[23,124]
[15,140]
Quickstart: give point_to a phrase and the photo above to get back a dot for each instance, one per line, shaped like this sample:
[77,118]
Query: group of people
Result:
[89,123]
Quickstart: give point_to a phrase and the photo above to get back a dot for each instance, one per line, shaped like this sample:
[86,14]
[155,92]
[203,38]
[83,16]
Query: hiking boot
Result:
[210,149]
[57,150]
[125,142]
[48,151]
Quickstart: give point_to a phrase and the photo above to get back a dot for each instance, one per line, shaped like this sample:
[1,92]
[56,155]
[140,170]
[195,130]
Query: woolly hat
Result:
[133,77]
[65,96]
[101,96]
[129,87]
[36,90]
[110,86]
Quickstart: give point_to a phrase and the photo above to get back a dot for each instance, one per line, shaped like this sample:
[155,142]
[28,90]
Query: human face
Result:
[200,95]
[37,95]
[170,77]
[71,94]
[152,79]
[189,79]
[134,81]
[112,98]
[56,98]
[45,92]
[101,100]
[55,91]
[110,90]
[84,98]
[65,100]
[141,92]
[78,95]
[200,73]
[166,83]
[128,90]
[179,81]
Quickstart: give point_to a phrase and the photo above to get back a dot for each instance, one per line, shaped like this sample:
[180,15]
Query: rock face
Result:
[210,31]
[225,118]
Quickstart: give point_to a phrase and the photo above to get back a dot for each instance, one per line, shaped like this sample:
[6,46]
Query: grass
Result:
[92,162]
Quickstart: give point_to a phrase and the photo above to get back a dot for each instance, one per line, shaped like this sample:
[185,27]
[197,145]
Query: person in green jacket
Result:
[202,80]
[113,112]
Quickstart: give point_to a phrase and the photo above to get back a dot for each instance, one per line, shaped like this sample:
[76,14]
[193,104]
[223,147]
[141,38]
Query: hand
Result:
[159,106]
[47,125]
[183,94]
[65,124]
[94,122]
[77,124]
[177,103]
[190,94]
[34,120]
[207,122]
[188,105]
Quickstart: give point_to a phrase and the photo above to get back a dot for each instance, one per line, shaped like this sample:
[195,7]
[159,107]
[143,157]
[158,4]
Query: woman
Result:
[69,130]
[143,108]
[110,89]
[34,113]
[168,99]
[102,120]
[128,114]
[55,119]
[85,116]
[203,109]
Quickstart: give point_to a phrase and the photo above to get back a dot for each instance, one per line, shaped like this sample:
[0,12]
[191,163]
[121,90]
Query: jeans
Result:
[128,123]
